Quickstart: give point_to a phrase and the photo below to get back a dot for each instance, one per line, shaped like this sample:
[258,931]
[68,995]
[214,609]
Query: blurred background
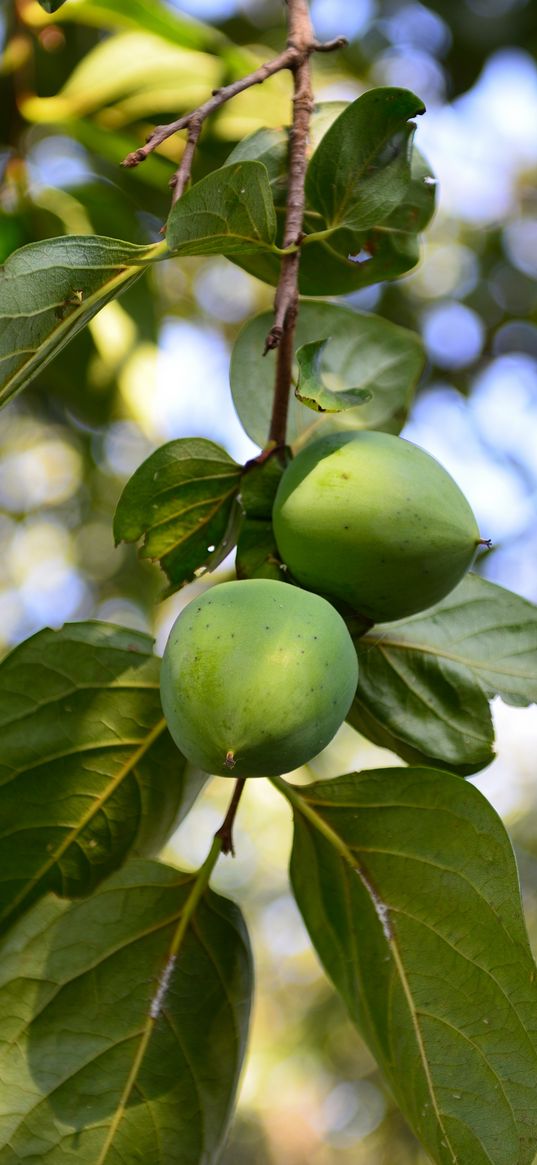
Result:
[77,92]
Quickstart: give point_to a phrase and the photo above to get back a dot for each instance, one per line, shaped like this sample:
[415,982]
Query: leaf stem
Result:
[301,805]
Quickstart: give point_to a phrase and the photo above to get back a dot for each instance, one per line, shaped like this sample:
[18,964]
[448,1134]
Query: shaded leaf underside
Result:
[88,771]
[181,502]
[50,290]
[109,1051]
[412,902]
[425,682]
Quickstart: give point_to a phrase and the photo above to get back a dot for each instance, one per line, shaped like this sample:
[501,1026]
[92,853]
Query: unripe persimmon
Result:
[257,677]
[375,522]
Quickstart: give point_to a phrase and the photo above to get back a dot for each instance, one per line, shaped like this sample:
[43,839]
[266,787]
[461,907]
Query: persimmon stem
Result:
[225,833]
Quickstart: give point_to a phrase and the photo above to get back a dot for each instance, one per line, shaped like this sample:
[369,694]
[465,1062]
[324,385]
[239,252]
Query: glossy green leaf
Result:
[230,210]
[408,886]
[88,772]
[114,1050]
[260,481]
[346,260]
[313,392]
[50,290]
[257,553]
[269,146]
[360,171]
[366,351]
[425,682]
[349,260]
[181,501]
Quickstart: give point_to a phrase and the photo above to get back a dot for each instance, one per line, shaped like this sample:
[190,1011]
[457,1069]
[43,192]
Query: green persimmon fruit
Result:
[257,677]
[373,521]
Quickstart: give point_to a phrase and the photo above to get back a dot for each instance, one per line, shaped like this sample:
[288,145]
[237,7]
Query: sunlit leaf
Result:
[114,1050]
[88,772]
[132,65]
[360,171]
[311,390]
[181,501]
[50,290]
[425,682]
[365,351]
[408,886]
[229,210]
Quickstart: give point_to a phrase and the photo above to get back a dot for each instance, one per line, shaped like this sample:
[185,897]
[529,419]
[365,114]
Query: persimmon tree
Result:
[125,984]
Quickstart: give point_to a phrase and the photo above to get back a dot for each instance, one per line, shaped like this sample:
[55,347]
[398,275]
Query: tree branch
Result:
[301,43]
[290,58]
[281,334]
[197,116]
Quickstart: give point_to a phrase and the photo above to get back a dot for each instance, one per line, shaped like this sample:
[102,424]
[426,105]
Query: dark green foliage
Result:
[183,502]
[442,667]
[88,773]
[408,887]
[257,553]
[360,171]
[311,391]
[365,351]
[229,211]
[50,290]
[125,1041]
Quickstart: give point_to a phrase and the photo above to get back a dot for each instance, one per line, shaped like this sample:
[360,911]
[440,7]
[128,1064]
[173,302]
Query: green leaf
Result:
[269,146]
[257,553]
[312,392]
[408,886]
[260,481]
[182,501]
[350,260]
[425,682]
[88,772]
[360,171]
[367,351]
[50,290]
[346,260]
[230,210]
[112,1050]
